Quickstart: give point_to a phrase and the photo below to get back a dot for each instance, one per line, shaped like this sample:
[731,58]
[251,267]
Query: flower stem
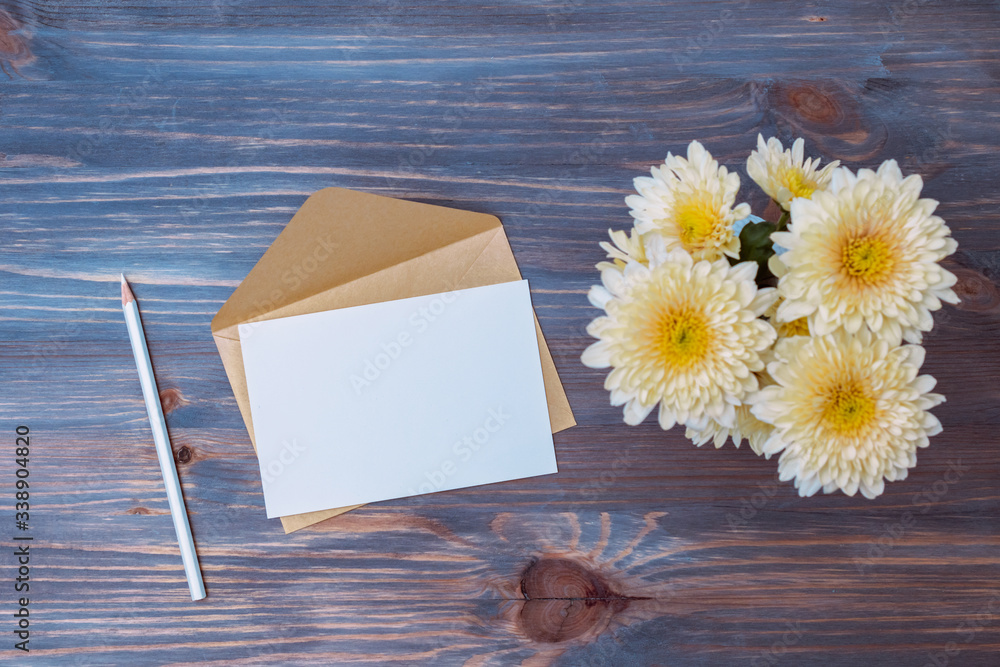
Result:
[782,222]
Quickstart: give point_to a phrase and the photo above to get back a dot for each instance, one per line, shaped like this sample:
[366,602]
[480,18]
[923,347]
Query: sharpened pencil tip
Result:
[126,292]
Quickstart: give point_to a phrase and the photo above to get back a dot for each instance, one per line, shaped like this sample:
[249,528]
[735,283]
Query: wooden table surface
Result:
[174,140]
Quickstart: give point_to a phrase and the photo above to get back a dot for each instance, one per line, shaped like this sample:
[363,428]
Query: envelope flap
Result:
[441,269]
[339,236]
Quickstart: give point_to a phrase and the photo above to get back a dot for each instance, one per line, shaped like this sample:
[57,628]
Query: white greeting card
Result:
[396,399]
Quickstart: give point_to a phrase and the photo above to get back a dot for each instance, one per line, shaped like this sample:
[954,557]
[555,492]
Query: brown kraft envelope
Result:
[345,248]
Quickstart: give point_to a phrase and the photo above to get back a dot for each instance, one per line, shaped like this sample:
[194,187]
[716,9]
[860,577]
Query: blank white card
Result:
[397,399]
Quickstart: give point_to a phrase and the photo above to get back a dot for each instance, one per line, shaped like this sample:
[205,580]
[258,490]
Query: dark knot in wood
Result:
[14,49]
[814,105]
[171,399]
[564,600]
[977,292]
[184,454]
[838,121]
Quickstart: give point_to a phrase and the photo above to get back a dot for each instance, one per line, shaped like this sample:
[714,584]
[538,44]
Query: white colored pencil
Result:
[162,442]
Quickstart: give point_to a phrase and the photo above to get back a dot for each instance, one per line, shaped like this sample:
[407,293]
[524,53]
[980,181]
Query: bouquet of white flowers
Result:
[814,368]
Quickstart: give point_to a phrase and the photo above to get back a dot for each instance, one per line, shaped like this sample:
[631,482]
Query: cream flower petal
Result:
[636,413]
[599,296]
[865,253]
[690,203]
[622,249]
[683,335]
[848,412]
[746,426]
[597,355]
[786,174]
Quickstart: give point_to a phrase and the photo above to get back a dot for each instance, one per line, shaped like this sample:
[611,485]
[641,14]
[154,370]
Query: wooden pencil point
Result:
[126,292]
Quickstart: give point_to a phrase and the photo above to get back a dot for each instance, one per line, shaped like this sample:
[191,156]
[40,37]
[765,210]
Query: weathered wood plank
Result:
[174,141]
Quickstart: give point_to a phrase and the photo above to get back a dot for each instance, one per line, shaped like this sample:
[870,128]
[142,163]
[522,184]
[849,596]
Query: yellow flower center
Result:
[684,338]
[849,408]
[696,220]
[799,327]
[794,179]
[868,259]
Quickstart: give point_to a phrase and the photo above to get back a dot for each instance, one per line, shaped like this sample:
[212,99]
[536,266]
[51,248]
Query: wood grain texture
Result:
[173,141]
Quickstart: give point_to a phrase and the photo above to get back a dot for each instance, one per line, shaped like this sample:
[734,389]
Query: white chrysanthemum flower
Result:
[622,249]
[786,174]
[849,411]
[680,334]
[799,327]
[866,252]
[776,266]
[690,203]
[746,426]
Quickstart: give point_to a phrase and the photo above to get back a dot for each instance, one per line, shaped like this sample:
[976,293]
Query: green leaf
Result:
[756,246]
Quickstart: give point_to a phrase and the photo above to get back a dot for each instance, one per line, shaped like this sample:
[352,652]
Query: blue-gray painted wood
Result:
[174,141]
